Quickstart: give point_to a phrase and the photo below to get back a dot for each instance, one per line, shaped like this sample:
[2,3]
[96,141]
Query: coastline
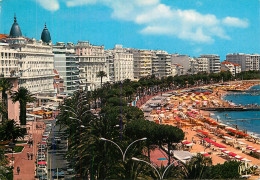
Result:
[182,112]
[257,134]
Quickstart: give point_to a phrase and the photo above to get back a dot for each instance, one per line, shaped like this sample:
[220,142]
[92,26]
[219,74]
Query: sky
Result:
[191,27]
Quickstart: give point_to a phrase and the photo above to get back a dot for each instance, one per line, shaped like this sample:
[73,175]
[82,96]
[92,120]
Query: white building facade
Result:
[214,62]
[242,59]
[36,64]
[161,64]
[91,60]
[203,65]
[233,68]
[121,64]
[8,61]
[142,63]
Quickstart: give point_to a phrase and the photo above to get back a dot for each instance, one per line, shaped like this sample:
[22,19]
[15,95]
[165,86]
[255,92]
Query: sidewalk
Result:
[27,167]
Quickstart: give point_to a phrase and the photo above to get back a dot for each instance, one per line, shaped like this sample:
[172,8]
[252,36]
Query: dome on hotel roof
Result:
[45,37]
[15,30]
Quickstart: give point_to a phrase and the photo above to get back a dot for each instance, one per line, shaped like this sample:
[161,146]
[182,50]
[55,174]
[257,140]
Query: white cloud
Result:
[156,18]
[236,22]
[80,2]
[158,13]
[51,5]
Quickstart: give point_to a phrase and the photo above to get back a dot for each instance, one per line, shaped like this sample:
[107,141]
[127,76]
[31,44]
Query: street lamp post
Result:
[160,176]
[123,153]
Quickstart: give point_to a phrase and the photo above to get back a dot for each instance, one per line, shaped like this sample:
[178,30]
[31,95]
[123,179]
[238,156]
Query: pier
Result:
[243,119]
[241,91]
[241,108]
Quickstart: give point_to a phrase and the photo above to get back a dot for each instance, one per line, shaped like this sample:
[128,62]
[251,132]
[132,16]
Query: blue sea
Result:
[251,126]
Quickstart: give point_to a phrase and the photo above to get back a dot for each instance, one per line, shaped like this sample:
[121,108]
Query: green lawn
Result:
[18,149]
[21,142]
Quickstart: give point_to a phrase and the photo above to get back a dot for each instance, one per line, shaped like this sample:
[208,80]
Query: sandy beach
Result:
[204,134]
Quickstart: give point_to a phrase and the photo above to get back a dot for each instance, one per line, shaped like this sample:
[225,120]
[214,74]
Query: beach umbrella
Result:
[206,154]
[249,147]
[190,144]
[186,142]
[237,156]
[232,154]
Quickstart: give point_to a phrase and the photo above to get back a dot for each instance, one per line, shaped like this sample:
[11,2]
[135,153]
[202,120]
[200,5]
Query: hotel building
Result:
[32,61]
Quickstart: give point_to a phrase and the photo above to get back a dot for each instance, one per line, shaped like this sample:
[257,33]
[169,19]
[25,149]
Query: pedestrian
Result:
[18,170]
[31,156]
[28,155]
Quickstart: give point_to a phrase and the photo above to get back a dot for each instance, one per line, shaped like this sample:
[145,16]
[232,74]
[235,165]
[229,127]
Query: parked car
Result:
[41,159]
[45,134]
[59,173]
[40,173]
[57,139]
[41,154]
[54,146]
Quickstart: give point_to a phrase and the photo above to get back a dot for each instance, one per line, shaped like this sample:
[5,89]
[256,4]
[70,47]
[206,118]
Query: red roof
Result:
[55,71]
[3,36]
[226,62]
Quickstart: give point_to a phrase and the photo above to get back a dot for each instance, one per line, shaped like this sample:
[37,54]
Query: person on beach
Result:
[31,156]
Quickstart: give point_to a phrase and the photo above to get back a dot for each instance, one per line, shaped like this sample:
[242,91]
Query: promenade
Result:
[27,167]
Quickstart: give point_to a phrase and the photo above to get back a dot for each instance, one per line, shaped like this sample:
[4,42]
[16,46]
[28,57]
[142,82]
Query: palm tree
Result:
[2,109]
[5,86]
[23,96]
[197,167]
[101,74]
[10,131]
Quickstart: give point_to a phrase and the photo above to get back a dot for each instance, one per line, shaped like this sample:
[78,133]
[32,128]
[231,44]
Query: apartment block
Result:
[203,65]
[121,64]
[67,65]
[91,60]
[161,64]
[183,60]
[232,67]
[242,59]
[214,62]
[142,62]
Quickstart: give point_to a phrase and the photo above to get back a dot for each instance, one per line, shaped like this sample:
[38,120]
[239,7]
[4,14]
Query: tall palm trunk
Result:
[22,113]
[5,105]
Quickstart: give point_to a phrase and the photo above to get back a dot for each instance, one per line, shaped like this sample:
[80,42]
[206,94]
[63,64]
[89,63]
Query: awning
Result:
[42,163]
